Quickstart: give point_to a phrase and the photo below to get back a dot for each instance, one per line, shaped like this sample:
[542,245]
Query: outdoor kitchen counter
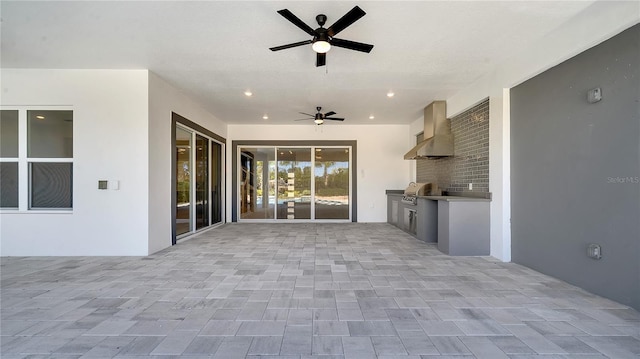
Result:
[459,224]
[455,198]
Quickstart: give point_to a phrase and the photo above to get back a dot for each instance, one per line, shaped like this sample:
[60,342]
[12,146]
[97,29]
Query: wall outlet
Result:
[594,95]
[470,186]
[594,251]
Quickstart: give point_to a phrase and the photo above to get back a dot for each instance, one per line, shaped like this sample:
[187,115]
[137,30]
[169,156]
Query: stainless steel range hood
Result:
[437,133]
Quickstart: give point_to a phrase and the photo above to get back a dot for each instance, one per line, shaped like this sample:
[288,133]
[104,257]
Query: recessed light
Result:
[265,117]
[40,117]
[248,93]
[390,94]
[372,117]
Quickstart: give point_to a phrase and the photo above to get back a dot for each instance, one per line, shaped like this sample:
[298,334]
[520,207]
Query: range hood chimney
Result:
[438,140]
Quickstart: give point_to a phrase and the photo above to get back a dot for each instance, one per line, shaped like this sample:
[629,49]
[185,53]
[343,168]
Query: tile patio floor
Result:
[302,291]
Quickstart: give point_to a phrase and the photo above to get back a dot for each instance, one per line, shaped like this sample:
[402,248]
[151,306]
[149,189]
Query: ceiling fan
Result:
[319,117]
[323,38]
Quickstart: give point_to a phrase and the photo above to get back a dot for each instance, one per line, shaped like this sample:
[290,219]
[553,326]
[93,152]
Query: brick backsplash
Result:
[470,163]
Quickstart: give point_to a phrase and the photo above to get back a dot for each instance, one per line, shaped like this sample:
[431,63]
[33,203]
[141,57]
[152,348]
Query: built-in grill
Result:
[416,189]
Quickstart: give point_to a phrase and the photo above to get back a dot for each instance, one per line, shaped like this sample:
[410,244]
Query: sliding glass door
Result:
[257,185]
[216,182]
[294,183]
[198,181]
[331,200]
[183,155]
[202,182]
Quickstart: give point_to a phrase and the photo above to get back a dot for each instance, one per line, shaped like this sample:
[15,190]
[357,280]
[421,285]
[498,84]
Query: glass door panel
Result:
[183,181]
[216,183]
[331,183]
[294,183]
[257,183]
[202,182]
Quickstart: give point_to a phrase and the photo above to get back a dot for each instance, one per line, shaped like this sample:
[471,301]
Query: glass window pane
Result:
[257,183]
[9,184]
[9,133]
[51,185]
[50,134]
[332,183]
[294,183]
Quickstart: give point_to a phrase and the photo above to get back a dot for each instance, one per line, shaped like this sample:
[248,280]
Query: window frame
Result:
[24,162]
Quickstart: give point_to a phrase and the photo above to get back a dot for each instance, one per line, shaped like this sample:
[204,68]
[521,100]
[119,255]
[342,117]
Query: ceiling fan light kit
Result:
[321,46]
[323,38]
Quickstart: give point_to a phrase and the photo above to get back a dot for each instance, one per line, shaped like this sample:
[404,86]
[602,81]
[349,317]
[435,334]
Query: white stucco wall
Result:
[380,160]
[163,100]
[110,142]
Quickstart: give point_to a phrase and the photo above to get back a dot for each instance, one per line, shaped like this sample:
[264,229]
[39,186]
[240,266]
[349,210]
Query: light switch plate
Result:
[102,184]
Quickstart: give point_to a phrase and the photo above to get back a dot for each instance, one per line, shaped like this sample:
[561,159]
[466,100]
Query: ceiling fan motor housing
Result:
[321,19]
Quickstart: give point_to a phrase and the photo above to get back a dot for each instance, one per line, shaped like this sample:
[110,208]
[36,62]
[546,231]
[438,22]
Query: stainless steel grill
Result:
[415,189]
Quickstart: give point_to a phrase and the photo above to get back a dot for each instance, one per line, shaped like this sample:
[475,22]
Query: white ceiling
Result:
[216,50]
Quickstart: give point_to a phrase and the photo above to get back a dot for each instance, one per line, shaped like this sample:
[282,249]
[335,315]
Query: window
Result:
[36,159]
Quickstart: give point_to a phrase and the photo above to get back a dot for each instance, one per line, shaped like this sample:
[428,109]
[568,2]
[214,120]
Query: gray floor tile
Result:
[358,348]
[203,345]
[108,348]
[481,327]
[265,345]
[614,347]
[262,328]
[111,328]
[152,327]
[233,347]
[140,346]
[483,348]
[418,343]
[572,345]
[174,343]
[449,345]
[330,328]
[371,328]
[324,345]
[438,327]
[221,328]
[80,345]
[388,346]
[512,345]
[535,340]
[296,344]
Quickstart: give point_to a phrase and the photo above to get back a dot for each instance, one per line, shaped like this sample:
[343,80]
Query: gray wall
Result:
[471,148]
[575,170]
